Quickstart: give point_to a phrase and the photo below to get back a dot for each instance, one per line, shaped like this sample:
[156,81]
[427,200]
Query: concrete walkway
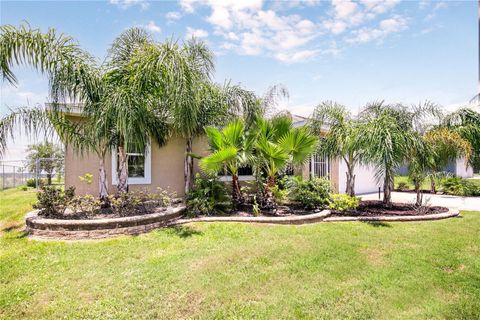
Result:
[452,202]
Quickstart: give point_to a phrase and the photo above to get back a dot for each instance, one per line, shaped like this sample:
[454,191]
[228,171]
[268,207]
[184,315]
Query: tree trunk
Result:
[237,198]
[102,182]
[122,170]
[432,185]
[188,168]
[49,179]
[387,191]
[419,194]
[269,199]
[350,189]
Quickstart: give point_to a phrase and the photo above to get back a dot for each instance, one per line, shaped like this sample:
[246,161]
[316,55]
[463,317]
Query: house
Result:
[164,167]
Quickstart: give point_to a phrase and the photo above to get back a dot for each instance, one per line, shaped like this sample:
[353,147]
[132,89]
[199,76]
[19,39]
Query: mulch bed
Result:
[377,208]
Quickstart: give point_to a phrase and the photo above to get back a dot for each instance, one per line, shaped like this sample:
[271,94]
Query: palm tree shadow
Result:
[185,231]
[378,224]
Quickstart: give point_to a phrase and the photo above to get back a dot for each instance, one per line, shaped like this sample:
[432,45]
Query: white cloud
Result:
[12,97]
[173,15]
[394,24]
[197,33]
[250,29]
[438,6]
[152,27]
[124,4]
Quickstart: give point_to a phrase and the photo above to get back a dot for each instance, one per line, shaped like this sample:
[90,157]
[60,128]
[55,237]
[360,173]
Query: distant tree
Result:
[48,156]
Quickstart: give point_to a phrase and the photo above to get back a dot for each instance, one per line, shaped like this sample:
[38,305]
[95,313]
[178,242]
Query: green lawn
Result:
[425,270]
[425,184]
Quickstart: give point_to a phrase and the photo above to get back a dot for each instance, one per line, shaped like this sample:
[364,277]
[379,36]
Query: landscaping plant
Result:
[208,197]
[53,201]
[343,202]
[311,194]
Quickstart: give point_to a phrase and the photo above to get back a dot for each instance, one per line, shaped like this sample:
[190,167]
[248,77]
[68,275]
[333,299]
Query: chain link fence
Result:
[18,174]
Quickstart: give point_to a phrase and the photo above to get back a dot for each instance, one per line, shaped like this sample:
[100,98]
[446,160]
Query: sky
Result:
[352,52]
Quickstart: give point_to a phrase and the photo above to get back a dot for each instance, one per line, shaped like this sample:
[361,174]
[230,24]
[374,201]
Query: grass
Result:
[424,270]
[425,184]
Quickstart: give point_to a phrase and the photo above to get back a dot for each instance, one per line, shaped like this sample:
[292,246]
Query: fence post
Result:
[3,176]
[14,182]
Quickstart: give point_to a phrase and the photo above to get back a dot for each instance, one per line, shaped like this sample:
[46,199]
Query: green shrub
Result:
[459,187]
[343,202]
[208,197]
[53,201]
[402,186]
[311,194]
[86,204]
[32,182]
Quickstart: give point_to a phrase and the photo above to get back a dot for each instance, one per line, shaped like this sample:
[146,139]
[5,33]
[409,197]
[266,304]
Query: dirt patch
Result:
[377,208]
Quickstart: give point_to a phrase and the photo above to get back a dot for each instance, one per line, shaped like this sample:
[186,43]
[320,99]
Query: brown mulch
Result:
[374,208]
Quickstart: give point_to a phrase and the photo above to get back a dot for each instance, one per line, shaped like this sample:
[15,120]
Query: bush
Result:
[139,202]
[311,194]
[459,187]
[343,202]
[53,201]
[86,204]
[32,182]
[402,186]
[208,197]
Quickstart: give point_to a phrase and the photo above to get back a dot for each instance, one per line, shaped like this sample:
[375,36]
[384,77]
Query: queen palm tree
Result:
[124,100]
[389,134]
[343,138]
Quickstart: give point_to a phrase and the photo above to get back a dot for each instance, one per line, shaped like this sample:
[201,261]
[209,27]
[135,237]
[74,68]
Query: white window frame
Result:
[146,179]
[324,161]
[240,178]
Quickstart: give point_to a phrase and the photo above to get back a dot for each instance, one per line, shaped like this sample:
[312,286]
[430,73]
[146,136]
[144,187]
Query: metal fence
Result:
[15,175]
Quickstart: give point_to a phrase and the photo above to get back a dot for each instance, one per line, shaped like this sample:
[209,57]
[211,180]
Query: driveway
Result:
[454,202]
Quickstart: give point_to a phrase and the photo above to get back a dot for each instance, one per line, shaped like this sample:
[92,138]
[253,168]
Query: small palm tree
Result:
[342,138]
[277,145]
[231,149]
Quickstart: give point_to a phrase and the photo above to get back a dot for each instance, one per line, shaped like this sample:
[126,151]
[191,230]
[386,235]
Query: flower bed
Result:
[39,227]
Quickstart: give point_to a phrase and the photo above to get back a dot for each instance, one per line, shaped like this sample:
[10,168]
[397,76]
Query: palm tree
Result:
[421,157]
[231,149]
[124,101]
[466,122]
[389,134]
[277,145]
[343,138]
[446,145]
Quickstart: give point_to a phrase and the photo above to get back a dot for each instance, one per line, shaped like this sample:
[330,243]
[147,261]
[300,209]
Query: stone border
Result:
[42,228]
[56,229]
[437,216]
[322,216]
[298,219]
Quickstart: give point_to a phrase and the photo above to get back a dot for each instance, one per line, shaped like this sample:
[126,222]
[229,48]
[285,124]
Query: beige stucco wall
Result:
[167,167]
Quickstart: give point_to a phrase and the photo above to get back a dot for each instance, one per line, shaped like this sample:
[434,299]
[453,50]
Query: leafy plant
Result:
[53,201]
[312,194]
[255,207]
[86,204]
[87,178]
[402,186]
[32,182]
[460,187]
[343,202]
[208,197]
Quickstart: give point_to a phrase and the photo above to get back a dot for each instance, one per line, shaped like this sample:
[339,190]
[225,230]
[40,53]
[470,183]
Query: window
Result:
[244,174]
[320,166]
[139,167]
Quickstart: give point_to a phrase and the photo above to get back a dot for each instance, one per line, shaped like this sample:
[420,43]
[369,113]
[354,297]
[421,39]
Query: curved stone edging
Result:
[42,228]
[437,216]
[322,216]
[308,218]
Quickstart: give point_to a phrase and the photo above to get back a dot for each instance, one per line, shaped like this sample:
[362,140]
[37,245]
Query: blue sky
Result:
[350,52]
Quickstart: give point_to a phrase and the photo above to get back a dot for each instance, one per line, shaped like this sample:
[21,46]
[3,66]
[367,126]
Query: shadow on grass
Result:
[184,231]
[378,224]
